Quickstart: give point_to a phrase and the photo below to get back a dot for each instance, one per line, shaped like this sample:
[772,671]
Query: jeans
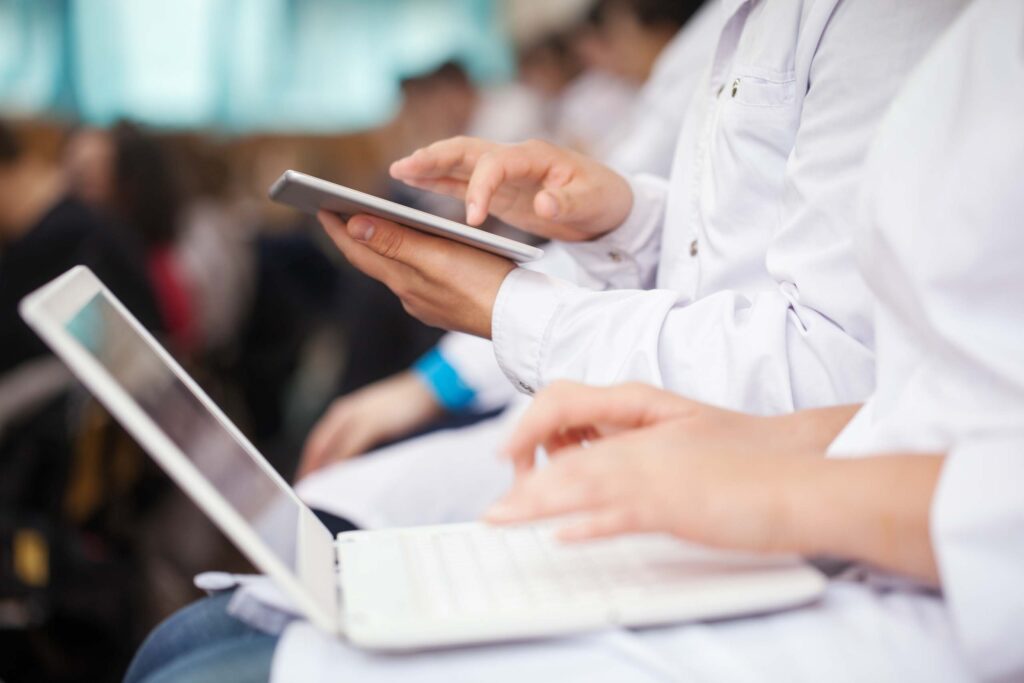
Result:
[202,643]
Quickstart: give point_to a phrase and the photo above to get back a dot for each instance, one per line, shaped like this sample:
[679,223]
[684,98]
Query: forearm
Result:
[809,432]
[872,509]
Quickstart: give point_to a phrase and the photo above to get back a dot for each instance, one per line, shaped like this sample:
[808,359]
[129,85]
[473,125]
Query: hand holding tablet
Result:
[311,195]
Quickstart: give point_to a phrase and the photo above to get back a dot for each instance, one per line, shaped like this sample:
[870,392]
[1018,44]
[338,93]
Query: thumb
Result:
[556,203]
[390,240]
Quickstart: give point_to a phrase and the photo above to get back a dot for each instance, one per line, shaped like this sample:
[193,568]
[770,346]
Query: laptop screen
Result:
[259,498]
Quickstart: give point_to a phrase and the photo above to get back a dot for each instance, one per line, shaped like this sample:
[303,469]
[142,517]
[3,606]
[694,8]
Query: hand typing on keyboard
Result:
[656,462]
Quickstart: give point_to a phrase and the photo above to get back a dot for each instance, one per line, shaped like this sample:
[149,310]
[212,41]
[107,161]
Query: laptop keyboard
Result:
[511,569]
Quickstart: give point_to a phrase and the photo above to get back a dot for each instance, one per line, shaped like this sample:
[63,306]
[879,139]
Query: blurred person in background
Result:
[44,230]
[663,48]
[127,175]
[592,108]
[66,480]
[216,249]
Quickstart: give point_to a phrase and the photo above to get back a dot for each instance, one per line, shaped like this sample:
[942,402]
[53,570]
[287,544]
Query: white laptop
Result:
[400,589]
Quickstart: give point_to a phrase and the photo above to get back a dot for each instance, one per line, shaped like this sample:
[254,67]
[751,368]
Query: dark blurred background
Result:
[139,137]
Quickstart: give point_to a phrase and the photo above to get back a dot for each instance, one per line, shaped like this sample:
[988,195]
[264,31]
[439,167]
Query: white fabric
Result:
[943,247]
[445,477]
[758,304]
[648,144]
[855,634]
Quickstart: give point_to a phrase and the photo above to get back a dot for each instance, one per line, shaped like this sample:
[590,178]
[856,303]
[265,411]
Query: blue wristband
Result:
[444,381]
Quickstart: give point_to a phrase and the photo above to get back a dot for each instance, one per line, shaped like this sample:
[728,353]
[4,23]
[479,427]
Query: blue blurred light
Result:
[237,65]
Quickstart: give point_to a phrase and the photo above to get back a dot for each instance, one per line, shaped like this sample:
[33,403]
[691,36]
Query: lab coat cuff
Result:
[473,360]
[975,526]
[526,306]
[625,258]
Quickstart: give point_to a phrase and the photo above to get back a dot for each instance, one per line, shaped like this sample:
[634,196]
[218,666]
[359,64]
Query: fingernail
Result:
[360,229]
[470,211]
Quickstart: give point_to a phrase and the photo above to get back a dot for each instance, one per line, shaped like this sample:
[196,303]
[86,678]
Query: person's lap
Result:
[200,643]
[855,633]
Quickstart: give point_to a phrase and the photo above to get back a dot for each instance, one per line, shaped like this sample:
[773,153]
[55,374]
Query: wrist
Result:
[810,432]
[797,498]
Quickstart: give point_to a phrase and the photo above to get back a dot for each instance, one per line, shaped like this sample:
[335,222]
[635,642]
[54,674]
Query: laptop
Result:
[397,589]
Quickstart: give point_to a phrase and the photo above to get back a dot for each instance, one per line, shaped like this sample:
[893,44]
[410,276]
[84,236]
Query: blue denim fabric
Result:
[203,643]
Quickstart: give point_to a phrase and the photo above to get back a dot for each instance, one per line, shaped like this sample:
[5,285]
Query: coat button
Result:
[693,248]
[735,87]
[615,256]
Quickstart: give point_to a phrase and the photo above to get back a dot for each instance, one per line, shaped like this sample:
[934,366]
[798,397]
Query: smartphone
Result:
[309,194]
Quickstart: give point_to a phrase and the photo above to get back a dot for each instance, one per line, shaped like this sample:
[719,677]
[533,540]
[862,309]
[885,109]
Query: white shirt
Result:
[756,301]
[942,250]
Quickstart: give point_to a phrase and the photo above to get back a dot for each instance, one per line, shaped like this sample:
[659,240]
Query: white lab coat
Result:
[941,249]
[756,301]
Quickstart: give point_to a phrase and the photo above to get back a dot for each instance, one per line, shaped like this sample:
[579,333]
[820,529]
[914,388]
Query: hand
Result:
[380,412]
[698,481]
[536,186]
[719,478]
[635,458]
[440,282]
[569,414]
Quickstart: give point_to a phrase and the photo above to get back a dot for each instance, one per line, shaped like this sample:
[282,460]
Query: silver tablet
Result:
[310,195]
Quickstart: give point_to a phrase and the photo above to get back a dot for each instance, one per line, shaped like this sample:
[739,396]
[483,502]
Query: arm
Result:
[656,462]
[872,509]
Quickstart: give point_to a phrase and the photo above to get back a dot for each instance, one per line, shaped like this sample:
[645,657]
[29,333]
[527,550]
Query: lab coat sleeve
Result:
[977,518]
[723,349]
[472,359]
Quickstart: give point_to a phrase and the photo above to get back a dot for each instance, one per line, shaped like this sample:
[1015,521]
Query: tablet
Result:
[309,194]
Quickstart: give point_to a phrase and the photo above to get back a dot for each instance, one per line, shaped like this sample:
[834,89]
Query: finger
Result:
[602,523]
[566,487]
[450,187]
[567,405]
[553,204]
[570,436]
[361,253]
[524,162]
[454,157]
